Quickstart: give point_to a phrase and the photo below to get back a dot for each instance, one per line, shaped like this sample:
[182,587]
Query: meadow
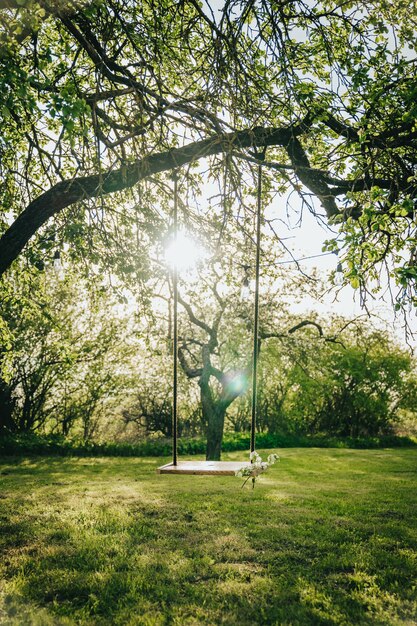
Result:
[328,536]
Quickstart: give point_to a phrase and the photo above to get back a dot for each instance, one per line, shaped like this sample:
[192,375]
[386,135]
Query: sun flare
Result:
[184,252]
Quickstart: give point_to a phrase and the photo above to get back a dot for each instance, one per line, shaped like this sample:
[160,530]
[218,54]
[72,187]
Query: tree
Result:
[97,96]
[60,356]
[365,390]
[219,386]
[216,329]
[356,386]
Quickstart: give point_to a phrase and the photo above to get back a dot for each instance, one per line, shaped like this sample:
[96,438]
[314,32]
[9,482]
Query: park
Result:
[208,304]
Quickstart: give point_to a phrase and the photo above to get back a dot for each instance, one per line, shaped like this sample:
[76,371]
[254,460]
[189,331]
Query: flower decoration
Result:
[256,467]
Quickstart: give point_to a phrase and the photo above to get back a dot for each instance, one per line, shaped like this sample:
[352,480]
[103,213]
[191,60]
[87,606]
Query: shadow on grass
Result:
[326,537]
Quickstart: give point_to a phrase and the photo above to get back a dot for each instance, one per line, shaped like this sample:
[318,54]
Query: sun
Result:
[184,252]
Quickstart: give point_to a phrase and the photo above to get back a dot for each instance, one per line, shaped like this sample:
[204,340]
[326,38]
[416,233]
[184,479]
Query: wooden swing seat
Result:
[203,468]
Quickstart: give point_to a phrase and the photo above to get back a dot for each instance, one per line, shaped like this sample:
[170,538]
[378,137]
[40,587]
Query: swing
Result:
[213,468]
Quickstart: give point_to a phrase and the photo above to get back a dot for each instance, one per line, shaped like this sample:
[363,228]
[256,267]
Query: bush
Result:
[32,445]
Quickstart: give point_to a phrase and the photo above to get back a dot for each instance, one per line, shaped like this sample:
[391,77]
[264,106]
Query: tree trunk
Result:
[215,433]
[7,404]
[213,415]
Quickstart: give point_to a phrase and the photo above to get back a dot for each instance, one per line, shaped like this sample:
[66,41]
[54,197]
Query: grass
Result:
[328,536]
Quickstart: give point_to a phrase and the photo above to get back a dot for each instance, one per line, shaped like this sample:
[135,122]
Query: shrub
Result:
[33,445]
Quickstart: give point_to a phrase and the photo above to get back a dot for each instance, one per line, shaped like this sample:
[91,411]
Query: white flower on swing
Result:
[254,457]
[256,467]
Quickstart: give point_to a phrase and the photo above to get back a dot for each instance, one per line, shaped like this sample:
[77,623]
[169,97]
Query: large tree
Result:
[99,95]
[221,377]
[216,323]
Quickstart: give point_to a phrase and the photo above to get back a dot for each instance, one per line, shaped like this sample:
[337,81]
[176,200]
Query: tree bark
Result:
[7,404]
[215,433]
[213,415]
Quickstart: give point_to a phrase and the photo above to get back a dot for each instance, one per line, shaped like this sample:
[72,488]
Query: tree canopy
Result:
[99,95]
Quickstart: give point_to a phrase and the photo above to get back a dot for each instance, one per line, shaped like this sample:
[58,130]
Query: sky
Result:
[306,240]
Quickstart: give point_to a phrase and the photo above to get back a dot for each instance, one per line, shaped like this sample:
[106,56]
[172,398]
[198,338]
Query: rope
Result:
[256,312]
[175,332]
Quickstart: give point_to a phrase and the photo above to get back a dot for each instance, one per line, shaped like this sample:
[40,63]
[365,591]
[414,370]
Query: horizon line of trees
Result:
[72,364]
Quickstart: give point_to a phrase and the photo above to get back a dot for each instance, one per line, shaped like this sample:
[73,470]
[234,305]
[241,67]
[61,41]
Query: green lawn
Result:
[326,537]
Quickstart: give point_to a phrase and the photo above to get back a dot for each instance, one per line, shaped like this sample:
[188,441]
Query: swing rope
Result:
[260,157]
[175,330]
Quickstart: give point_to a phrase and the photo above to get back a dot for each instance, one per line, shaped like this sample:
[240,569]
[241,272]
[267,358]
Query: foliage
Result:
[368,388]
[148,412]
[57,363]
[71,363]
[30,444]
[356,388]
[97,96]
[329,537]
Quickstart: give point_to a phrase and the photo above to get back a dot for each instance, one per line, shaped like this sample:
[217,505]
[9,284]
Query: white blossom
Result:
[256,467]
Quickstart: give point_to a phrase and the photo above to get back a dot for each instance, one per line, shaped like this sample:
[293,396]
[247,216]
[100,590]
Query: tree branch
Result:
[303,324]
[79,189]
[195,320]
[189,371]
